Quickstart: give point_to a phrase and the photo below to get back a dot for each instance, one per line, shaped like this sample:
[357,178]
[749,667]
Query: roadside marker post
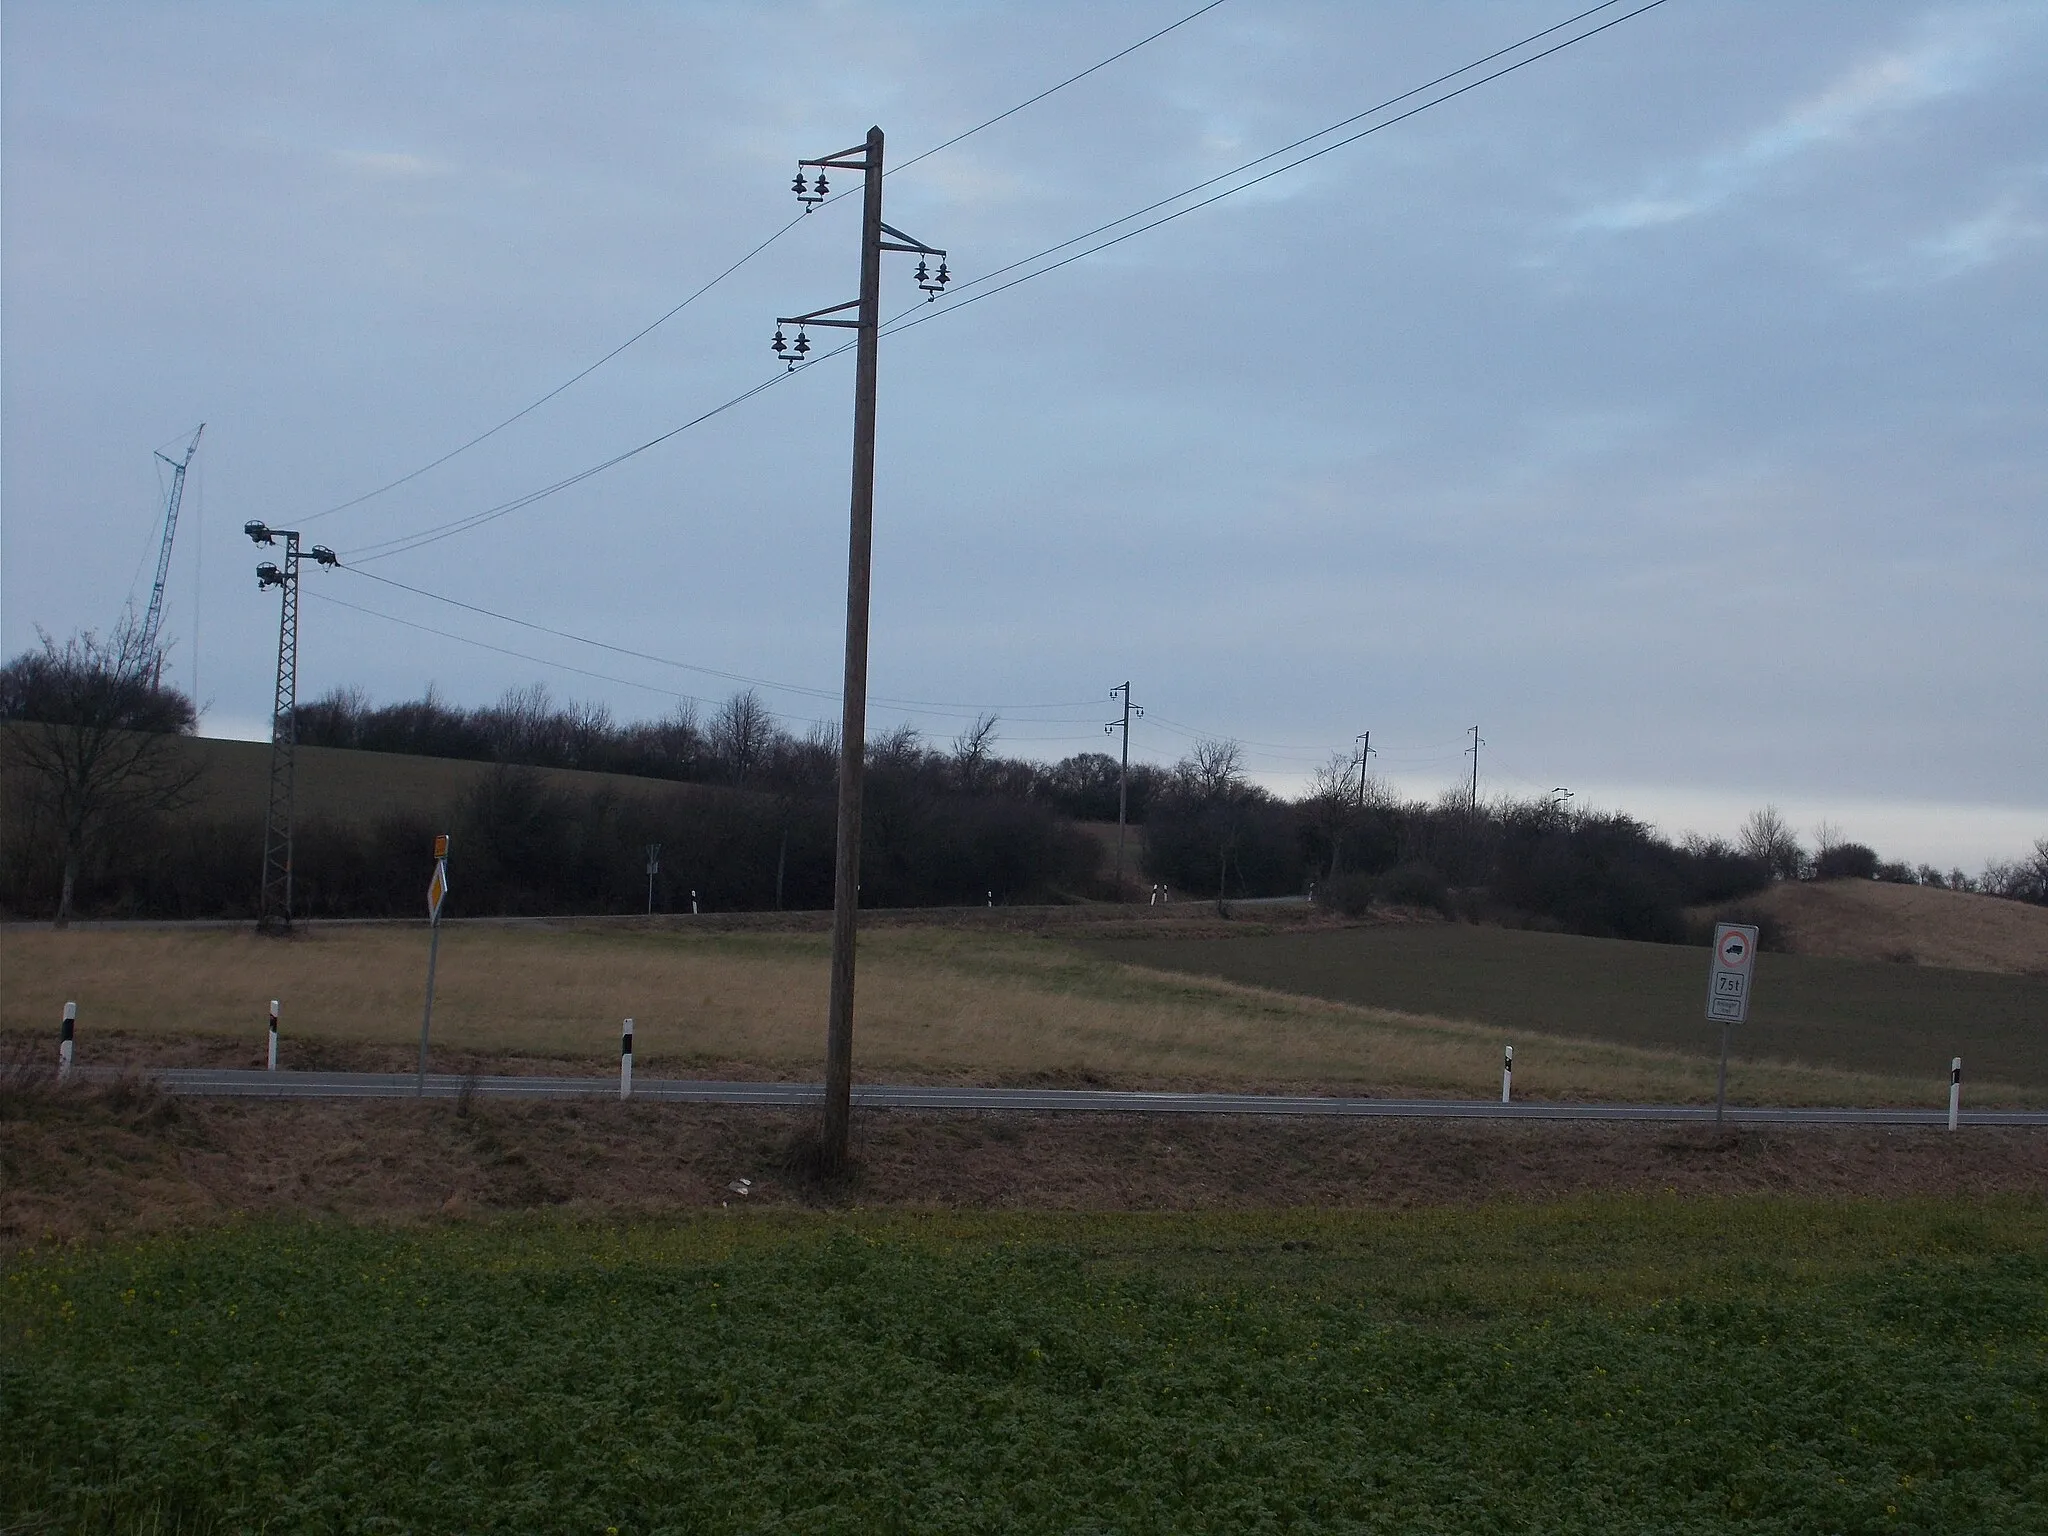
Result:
[273,1034]
[1728,989]
[626,1062]
[1507,1076]
[437,892]
[1955,1091]
[65,1038]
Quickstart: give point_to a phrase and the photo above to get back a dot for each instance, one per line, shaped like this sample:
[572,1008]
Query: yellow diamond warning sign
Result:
[437,888]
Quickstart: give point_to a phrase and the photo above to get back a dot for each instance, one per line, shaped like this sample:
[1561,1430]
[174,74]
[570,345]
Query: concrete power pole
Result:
[1364,740]
[1476,745]
[274,902]
[1123,776]
[865,158]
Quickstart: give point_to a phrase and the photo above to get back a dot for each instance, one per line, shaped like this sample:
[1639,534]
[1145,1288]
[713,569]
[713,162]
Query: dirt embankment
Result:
[124,1159]
[1909,924]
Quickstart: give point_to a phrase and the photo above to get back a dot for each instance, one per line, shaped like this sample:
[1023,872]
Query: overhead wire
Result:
[911,318]
[670,314]
[921,313]
[929,706]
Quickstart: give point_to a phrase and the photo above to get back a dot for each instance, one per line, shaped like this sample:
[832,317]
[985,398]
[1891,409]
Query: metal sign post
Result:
[437,892]
[1728,989]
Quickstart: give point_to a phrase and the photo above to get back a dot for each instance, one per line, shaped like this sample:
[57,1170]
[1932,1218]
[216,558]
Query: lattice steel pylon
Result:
[274,904]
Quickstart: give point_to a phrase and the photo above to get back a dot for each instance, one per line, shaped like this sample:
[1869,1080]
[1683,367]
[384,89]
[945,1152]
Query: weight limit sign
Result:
[1728,984]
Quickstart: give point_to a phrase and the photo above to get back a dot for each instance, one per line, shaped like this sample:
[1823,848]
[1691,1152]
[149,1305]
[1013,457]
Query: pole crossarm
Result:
[816,317]
[912,244]
[854,159]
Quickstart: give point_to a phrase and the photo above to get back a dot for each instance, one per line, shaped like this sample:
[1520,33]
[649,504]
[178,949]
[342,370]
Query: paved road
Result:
[238,1083]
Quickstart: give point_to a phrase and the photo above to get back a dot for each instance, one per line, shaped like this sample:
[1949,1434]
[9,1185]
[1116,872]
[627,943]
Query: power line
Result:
[1033,100]
[901,323]
[1239,170]
[932,706]
[654,325]
[920,314]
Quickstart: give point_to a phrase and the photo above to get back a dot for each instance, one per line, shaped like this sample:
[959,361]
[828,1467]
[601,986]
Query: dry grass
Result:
[935,1006]
[1873,920]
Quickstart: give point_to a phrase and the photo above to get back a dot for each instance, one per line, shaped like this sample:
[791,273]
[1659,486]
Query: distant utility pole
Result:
[1364,740]
[274,904]
[653,869]
[865,158]
[1476,745]
[1123,776]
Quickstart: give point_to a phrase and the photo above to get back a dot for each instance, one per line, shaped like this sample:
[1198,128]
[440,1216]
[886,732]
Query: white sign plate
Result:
[1728,983]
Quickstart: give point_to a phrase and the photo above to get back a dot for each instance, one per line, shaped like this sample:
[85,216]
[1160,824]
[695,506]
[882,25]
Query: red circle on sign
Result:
[1735,950]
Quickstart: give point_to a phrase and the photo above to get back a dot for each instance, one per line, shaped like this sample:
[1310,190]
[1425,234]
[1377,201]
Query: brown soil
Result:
[123,1159]
[1909,924]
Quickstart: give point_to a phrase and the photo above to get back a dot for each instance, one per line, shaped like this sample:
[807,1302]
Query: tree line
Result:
[99,817]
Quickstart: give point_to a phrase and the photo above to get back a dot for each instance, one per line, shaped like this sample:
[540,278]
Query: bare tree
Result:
[1213,774]
[971,751]
[93,740]
[1330,804]
[741,733]
[1768,837]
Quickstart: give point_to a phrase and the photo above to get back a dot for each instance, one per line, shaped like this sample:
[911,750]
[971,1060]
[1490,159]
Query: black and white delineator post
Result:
[273,1034]
[66,1039]
[437,892]
[1955,1091]
[1507,1076]
[626,1062]
[865,158]
[1728,987]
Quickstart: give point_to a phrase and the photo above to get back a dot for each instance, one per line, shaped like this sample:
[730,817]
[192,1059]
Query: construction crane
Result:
[153,621]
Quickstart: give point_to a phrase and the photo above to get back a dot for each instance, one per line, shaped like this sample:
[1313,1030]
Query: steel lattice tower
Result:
[274,905]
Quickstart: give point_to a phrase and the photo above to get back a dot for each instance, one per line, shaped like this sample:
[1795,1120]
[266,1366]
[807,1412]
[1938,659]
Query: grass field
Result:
[1902,1021]
[934,1005]
[1620,1365]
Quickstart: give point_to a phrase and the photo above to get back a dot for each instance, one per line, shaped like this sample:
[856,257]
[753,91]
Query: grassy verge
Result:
[934,1005]
[1634,1364]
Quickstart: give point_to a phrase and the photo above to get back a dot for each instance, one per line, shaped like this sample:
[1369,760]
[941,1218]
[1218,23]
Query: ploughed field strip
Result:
[242,1083]
[1854,1015]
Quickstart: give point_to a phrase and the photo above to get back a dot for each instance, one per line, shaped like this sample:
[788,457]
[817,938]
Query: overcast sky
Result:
[1674,408]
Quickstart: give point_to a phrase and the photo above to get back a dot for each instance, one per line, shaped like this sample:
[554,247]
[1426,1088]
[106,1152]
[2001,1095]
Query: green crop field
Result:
[1856,1015]
[1622,1365]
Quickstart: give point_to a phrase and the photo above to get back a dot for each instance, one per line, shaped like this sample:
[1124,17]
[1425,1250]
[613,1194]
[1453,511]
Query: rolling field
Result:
[936,1005]
[1598,1366]
[1902,1021]
[351,786]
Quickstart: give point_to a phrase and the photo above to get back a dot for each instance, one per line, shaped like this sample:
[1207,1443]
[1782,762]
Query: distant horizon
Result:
[1945,836]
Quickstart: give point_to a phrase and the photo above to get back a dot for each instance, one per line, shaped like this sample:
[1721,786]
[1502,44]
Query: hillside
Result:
[351,786]
[1915,924]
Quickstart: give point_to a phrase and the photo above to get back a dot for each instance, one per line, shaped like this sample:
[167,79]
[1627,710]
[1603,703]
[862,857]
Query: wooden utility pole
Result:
[1476,745]
[1123,778]
[1364,756]
[866,326]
